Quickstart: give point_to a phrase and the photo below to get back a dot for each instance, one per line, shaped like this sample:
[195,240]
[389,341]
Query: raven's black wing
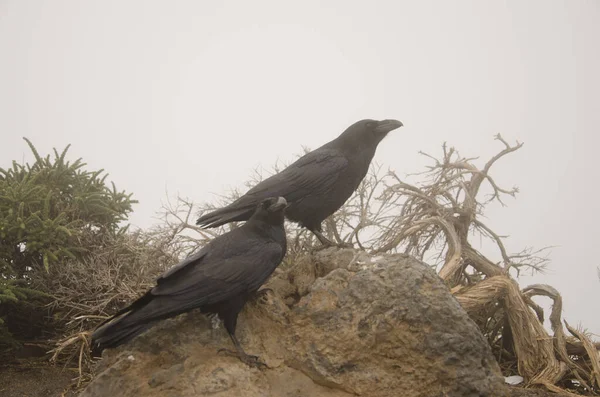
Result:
[314,173]
[310,174]
[230,265]
[215,277]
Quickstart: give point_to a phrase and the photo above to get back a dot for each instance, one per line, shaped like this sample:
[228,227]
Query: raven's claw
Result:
[251,361]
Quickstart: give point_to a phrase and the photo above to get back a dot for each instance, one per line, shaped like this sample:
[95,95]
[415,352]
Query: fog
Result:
[188,97]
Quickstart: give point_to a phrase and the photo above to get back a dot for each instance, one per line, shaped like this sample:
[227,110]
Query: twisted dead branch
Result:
[445,208]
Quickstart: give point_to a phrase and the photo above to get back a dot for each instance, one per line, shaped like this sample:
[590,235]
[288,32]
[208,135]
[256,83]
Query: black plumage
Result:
[219,279]
[317,184]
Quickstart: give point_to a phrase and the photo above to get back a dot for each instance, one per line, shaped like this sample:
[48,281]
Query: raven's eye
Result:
[369,125]
[267,203]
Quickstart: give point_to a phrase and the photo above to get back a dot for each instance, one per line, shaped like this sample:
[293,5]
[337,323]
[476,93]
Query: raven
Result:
[218,279]
[318,183]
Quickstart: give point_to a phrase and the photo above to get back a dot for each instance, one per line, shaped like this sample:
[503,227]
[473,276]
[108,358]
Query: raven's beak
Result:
[280,204]
[385,126]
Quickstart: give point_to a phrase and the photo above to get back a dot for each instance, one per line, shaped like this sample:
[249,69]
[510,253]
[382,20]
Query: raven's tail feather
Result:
[137,318]
[122,327]
[226,215]
[114,336]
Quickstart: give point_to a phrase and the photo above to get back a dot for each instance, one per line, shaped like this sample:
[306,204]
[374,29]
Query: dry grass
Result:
[87,292]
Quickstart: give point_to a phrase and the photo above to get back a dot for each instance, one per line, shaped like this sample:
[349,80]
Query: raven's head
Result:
[271,210]
[370,131]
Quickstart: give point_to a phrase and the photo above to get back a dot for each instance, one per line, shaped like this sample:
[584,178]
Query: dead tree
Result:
[439,217]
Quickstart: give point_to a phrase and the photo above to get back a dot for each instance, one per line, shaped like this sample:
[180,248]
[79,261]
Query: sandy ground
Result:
[36,381]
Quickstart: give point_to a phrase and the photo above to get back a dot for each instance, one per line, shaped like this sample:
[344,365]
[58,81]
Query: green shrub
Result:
[45,208]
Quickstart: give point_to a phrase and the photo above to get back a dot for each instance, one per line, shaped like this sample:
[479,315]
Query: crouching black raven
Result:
[219,279]
[317,184]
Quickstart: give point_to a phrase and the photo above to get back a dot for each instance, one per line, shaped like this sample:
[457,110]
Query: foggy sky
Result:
[189,96]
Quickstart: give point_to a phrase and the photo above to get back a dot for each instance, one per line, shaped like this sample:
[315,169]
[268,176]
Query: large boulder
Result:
[338,323]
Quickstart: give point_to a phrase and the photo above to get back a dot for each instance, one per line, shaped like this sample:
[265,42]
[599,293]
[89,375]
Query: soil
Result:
[35,379]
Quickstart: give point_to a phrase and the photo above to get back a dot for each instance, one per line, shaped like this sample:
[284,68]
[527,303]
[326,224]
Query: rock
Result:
[339,323]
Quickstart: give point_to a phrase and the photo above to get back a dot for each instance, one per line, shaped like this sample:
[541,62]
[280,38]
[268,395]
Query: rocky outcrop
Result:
[338,323]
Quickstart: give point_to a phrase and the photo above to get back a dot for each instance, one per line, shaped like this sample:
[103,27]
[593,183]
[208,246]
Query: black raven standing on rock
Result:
[219,279]
[318,183]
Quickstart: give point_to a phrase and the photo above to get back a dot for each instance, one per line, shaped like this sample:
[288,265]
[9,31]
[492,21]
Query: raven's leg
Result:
[326,243]
[230,322]
[324,240]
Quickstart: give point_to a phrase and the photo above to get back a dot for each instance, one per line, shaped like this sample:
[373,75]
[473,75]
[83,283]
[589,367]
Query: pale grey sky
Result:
[189,96]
